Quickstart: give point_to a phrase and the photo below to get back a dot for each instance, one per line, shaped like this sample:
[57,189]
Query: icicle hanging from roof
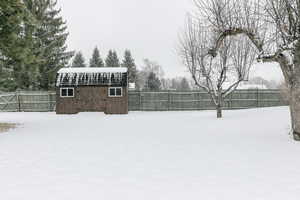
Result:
[92,76]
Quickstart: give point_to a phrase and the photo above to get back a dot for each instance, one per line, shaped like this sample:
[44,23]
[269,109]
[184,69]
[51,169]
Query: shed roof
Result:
[86,76]
[92,70]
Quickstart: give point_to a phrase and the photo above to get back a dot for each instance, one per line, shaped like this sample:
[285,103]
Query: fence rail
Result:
[149,101]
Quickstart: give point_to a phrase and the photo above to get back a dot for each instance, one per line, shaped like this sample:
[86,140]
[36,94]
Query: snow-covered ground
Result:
[150,156]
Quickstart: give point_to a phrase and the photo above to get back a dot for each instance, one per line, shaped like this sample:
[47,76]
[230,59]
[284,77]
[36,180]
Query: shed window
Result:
[66,92]
[115,92]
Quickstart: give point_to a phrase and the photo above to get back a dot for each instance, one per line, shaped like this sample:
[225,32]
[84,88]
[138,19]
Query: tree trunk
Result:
[219,105]
[219,111]
[295,109]
[294,86]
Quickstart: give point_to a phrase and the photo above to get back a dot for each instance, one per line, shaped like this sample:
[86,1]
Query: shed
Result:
[84,89]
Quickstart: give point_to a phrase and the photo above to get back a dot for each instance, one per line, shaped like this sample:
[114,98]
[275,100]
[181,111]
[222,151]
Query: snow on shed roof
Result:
[93,70]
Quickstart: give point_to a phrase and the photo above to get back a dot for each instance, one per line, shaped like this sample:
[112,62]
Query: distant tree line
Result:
[149,77]
[111,60]
[32,44]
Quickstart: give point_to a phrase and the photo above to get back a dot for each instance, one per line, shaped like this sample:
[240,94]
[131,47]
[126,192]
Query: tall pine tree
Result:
[112,59]
[96,60]
[128,62]
[116,60]
[50,40]
[15,45]
[78,60]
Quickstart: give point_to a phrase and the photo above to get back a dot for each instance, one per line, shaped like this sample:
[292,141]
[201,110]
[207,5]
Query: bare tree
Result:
[220,74]
[273,26]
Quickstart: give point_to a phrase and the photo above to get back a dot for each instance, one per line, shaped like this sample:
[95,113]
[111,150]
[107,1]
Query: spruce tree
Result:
[7,83]
[128,62]
[116,60]
[15,45]
[50,40]
[96,60]
[109,59]
[112,59]
[153,83]
[78,60]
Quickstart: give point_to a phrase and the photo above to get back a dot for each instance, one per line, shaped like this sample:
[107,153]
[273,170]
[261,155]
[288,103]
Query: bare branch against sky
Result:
[148,28]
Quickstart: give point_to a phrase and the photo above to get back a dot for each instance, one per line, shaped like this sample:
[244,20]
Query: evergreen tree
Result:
[7,83]
[116,60]
[78,60]
[153,83]
[112,59]
[15,45]
[128,62]
[50,40]
[13,17]
[109,59]
[96,60]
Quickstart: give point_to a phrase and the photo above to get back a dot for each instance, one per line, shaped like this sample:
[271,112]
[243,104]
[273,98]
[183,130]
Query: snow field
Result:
[150,156]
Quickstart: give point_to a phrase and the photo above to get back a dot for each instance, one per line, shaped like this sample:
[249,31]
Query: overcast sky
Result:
[149,28]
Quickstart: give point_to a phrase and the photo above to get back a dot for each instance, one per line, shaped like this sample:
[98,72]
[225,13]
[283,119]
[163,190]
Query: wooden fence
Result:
[150,101]
[199,100]
[27,102]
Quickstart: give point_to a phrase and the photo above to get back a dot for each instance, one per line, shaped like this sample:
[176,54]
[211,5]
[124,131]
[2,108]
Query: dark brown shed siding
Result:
[92,99]
[66,105]
[116,105]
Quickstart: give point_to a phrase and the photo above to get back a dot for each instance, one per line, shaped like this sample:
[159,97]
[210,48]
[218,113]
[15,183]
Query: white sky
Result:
[149,28]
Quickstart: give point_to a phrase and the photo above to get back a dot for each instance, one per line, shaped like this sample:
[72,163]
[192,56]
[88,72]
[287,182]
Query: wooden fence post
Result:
[169,100]
[18,100]
[199,101]
[230,101]
[49,102]
[140,100]
[257,98]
